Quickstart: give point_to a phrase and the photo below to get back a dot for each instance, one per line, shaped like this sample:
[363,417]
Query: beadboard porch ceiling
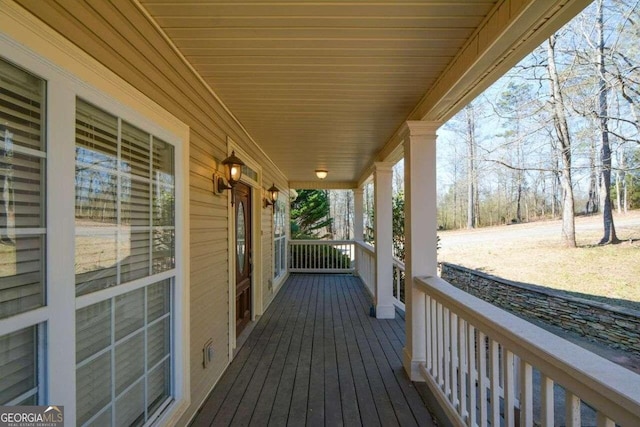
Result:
[326,85]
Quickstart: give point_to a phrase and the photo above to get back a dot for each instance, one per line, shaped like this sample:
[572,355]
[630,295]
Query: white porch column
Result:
[358,224]
[358,214]
[383,236]
[420,226]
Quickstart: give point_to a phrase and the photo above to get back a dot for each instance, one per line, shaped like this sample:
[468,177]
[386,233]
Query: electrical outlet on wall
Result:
[207,353]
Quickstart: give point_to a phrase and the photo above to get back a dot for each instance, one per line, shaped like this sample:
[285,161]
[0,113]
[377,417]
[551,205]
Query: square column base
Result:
[412,367]
[385,312]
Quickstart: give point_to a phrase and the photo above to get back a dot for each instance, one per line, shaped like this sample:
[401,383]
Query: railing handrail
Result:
[399,263]
[609,390]
[320,242]
[366,246]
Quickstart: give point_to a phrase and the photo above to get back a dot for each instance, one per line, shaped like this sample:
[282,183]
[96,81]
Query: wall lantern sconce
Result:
[321,173]
[232,173]
[272,197]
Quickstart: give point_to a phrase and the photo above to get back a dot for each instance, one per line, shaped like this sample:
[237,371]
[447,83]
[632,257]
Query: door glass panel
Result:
[241,236]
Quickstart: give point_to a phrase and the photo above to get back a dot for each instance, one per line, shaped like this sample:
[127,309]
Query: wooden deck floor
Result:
[316,358]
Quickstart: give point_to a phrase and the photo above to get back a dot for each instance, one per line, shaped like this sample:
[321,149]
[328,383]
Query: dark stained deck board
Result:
[381,399]
[401,408]
[234,397]
[217,397]
[263,408]
[332,402]
[248,403]
[350,414]
[282,402]
[315,406]
[392,349]
[366,404]
[316,358]
[299,399]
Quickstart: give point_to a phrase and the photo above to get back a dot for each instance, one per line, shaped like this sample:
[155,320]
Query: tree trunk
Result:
[593,200]
[471,168]
[605,148]
[564,139]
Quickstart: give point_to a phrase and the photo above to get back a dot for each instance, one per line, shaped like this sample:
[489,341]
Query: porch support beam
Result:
[383,237]
[420,225]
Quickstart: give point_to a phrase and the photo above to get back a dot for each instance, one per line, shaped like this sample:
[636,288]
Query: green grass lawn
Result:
[533,253]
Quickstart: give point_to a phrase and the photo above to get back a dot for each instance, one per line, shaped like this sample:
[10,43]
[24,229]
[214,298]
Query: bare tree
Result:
[564,140]
[605,147]
[472,171]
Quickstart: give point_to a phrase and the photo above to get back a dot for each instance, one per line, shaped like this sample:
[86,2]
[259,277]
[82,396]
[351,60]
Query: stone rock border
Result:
[617,327]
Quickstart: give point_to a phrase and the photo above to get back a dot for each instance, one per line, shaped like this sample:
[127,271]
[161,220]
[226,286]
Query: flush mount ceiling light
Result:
[321,173]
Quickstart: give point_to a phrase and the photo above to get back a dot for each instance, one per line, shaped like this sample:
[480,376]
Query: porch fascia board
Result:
[512,30]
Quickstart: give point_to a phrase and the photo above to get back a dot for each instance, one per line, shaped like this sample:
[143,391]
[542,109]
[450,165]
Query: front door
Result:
[243,256]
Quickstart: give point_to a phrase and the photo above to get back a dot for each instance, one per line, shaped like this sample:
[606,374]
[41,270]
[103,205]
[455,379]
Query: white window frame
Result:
[71,73]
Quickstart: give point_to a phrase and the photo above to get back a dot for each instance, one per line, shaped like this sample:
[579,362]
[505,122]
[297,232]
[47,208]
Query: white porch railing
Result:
[483,363]
[366,265]
[398,283]
[321,256]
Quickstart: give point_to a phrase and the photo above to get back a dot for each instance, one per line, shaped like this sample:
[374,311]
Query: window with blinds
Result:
[123,357]
[22,229]
[125,190]
[279,239]
[125,231]
[22,192]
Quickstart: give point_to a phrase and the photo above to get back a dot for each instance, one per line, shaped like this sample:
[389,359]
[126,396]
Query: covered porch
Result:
[345,88]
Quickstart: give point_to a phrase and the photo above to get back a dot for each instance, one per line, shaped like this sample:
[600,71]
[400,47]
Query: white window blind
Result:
[18,367]
[123,356]
[22,172]
[125,186]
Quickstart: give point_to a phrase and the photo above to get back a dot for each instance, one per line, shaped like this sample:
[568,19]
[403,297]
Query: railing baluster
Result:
[509,392]
[472,372]
[547,402]
[454,360]
[526,394]
[482,378]
[494,361]
[434,338]
[396,271]
[428,332]
[462,367]
[447,351]
[440,345]
[604,421]
[572,406]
